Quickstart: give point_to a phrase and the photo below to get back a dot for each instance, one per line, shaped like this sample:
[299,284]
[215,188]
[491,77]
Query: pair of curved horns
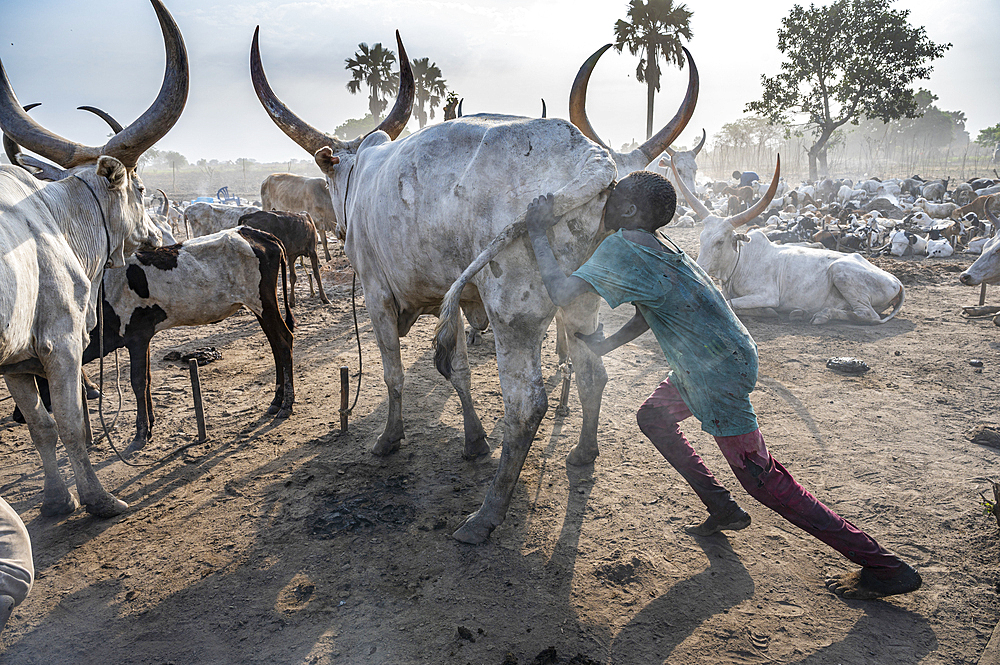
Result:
[312,139]
[657,143]
[701,144]
[126,145]
[736,220]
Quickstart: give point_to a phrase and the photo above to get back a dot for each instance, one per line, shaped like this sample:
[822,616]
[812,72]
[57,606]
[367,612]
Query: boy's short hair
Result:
[653,194]
[737,175]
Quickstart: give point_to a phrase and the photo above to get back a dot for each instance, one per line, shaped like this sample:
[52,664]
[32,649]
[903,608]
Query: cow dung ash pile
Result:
[986,434]
[204,355]
[851,366]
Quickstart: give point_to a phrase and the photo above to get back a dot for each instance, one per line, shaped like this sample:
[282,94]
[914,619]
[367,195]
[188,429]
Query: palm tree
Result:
[373,67]
[654,27]
[430,87]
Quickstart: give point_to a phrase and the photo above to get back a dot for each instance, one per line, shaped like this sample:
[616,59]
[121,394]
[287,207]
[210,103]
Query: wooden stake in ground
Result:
[982,295]
[199,409]
[345,391]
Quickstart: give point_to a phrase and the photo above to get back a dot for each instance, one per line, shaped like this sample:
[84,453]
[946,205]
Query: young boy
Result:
[714,369]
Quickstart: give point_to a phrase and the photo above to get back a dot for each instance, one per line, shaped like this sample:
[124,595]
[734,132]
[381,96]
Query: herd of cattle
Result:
[428,223]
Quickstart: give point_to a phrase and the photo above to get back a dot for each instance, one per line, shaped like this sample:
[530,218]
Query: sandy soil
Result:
[288,542]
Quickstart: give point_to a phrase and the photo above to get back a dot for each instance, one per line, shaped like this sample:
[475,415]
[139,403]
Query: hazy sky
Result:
[500,56]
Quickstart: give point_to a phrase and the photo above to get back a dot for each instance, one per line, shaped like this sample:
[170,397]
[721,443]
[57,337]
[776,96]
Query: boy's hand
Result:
[595,340]
[539,217]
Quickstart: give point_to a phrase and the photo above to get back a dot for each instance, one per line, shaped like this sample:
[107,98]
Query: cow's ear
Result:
[113,170]
[325,159]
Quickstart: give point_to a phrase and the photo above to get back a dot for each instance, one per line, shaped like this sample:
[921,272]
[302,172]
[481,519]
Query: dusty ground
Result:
[286,542]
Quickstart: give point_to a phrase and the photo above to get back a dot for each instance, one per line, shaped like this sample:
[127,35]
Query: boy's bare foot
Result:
[862,584]
[733,520]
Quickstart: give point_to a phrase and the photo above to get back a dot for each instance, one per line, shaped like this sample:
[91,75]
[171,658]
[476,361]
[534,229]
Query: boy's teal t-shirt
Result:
[711,353]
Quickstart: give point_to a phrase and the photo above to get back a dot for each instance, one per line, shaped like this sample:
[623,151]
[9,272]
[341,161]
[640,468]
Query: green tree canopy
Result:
[845,61]
[373,68]
[430,88]
[654,27]
[989,136]
[355,127]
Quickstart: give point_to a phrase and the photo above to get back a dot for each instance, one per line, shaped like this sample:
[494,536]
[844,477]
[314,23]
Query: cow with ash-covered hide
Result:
[419,212]
[55,240]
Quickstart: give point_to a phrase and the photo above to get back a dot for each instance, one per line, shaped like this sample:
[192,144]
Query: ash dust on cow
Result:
[289,542]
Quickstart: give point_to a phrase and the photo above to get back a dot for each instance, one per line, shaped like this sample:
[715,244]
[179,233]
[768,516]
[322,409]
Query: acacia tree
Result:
[373,67]
[655,28]
[430,88]
[845,61]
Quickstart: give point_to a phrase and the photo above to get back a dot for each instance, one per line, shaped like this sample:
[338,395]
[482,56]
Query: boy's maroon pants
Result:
[762,476]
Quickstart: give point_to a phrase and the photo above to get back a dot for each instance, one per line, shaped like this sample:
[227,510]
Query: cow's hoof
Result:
[138,443]
[64,505]
[282,413]
[17,416]
[581,456]
[473,337]
[797,315]
[562,410]
[93,393]
[325,301]
[476,449]
[471,531]
[385,447]
[107,506]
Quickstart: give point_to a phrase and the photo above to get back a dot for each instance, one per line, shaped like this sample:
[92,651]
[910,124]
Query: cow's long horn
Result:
[697,148]
[128,144]
[307,136]
[395,122]
[10,147]
[103,115]
[578,97]
[698,207]
[166,202]
[543,109]
[760,206]
[989,213]
[663,138]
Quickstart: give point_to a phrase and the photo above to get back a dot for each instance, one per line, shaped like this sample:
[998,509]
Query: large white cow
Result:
[207,218]
[419,210]
[295,193]
[986,269]
[55,239]
[817,285]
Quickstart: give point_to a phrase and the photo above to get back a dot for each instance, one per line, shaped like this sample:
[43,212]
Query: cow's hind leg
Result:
[280,338]
[57,499]
[591,377]
[314,260]
[140,376]
[525,403]
[476,444]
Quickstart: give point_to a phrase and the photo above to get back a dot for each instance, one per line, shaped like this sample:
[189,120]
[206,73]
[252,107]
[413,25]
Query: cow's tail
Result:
[449,325]
[897,304]
[289,317]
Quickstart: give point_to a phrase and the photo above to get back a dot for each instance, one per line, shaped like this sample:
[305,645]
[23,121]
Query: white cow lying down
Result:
[817,285]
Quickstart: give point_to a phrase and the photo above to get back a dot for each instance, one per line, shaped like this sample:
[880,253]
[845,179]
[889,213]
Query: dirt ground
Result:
[288,542]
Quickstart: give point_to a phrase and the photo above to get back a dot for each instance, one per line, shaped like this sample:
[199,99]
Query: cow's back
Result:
[431,202]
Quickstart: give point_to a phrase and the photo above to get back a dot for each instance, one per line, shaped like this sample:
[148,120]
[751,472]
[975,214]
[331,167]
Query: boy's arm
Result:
[562,289]
[599,345]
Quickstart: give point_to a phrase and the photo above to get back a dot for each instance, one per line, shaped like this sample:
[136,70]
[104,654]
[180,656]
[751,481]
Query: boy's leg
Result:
[658,419]
[765,479]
